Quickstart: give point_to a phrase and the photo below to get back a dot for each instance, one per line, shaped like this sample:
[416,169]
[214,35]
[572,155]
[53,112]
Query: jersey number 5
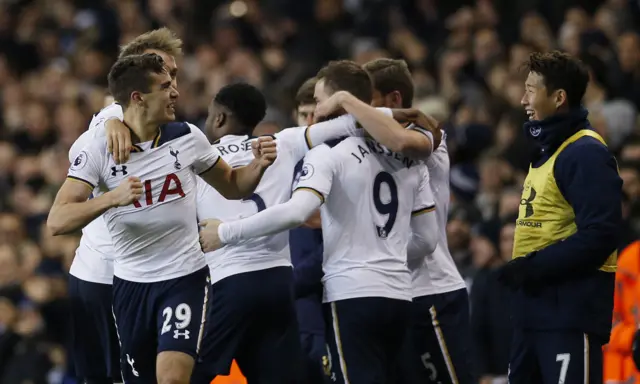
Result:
[390,207]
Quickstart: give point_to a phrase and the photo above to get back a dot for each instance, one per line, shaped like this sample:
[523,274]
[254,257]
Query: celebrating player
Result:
[94,343]
[160,284]
[437,342]
[265,344]
[564,252]
[372,201]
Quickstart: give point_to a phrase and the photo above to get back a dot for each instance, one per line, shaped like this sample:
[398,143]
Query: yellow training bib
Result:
[545,217]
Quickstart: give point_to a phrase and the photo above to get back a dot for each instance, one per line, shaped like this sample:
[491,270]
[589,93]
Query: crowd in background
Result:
[465,57]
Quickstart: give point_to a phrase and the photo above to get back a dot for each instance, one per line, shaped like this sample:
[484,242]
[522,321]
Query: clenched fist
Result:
[209,238]
[127,192]
[264,150]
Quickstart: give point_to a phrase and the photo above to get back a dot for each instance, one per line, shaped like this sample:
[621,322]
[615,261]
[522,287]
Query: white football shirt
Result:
[156,238]
[370,194]
[438,273]
[93,260]
[274,188]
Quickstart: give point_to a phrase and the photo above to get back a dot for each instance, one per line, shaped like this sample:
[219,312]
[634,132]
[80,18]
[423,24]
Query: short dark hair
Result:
[305,92]
[560,70]
[133,73]
[161,39]
[244,101]
[390,75]
[346,75]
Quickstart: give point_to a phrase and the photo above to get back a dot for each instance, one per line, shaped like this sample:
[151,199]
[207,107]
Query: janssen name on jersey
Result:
[155,238]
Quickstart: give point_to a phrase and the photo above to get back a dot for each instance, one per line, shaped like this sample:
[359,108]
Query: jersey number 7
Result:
[389,208]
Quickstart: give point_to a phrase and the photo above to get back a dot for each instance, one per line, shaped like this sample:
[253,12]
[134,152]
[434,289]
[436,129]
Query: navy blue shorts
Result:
[364,336]
[156,317]
[436,347]
[550,357]
[94,343]
[252,319]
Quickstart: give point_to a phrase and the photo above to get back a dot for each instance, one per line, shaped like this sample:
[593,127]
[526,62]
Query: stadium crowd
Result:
[465,58]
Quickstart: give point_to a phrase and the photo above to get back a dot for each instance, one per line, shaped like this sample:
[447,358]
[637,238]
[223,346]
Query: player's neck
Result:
[142,129]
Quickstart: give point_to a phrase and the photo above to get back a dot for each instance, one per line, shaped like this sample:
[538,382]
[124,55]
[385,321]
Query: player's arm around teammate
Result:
[383,124]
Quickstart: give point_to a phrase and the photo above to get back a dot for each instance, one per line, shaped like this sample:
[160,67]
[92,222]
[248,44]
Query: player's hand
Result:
[209,238]
[127,192]
[420,119]
[118,140]
[265,151]
[330,105]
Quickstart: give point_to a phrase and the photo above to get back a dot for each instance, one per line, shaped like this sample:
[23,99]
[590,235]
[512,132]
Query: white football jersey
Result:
[438,273]
[93,260]
[274,188]
[155,238]
[370,194]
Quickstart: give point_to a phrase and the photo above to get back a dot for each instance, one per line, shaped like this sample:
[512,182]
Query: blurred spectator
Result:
[465,58]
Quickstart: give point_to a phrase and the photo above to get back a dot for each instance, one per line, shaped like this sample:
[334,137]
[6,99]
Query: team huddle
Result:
[184,264]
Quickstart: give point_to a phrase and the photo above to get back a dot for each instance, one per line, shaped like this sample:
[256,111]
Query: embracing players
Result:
[161,280]
[372,201]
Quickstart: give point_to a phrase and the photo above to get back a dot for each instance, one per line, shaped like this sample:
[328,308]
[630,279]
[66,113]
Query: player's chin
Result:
[170,115]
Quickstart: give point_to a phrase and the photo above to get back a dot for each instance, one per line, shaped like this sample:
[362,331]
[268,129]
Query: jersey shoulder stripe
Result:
[169,132]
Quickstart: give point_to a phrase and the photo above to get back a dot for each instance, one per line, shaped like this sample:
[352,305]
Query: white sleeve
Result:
[272,220]
[80,143]
[87,166]
[423,200]
[424,224]
[424,237]
[207,156]
[317,172]
[112,111]
[299,140]
[429,135]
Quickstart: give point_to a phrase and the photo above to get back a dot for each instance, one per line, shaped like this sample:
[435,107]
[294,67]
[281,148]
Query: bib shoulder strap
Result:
[579,134]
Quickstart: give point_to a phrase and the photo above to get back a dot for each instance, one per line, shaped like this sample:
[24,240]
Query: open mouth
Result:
[530,114]
[172,108]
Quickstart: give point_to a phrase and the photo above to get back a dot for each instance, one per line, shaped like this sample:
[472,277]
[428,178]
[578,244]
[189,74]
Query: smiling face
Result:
[160,102]
[537,101]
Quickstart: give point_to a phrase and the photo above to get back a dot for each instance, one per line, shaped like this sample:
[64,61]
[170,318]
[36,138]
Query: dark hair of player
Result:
[305,92]
[133,73]
[346,75]
[560,70]
[389,75]
[162,39]
[245,103]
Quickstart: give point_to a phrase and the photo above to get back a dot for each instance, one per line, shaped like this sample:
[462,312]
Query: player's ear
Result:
[396,98]
[221,119]
[136,97]
[560,97]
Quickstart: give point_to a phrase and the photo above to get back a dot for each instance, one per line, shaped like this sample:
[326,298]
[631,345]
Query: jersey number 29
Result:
[389,208]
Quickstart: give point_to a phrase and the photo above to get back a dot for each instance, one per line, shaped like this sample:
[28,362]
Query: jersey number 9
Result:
[389,208]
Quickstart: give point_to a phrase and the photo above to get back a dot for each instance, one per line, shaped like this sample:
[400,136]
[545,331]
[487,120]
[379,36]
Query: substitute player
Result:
[436,349]
[264,343]
[94,343]
[160,285]
[372,201]
[564,255]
